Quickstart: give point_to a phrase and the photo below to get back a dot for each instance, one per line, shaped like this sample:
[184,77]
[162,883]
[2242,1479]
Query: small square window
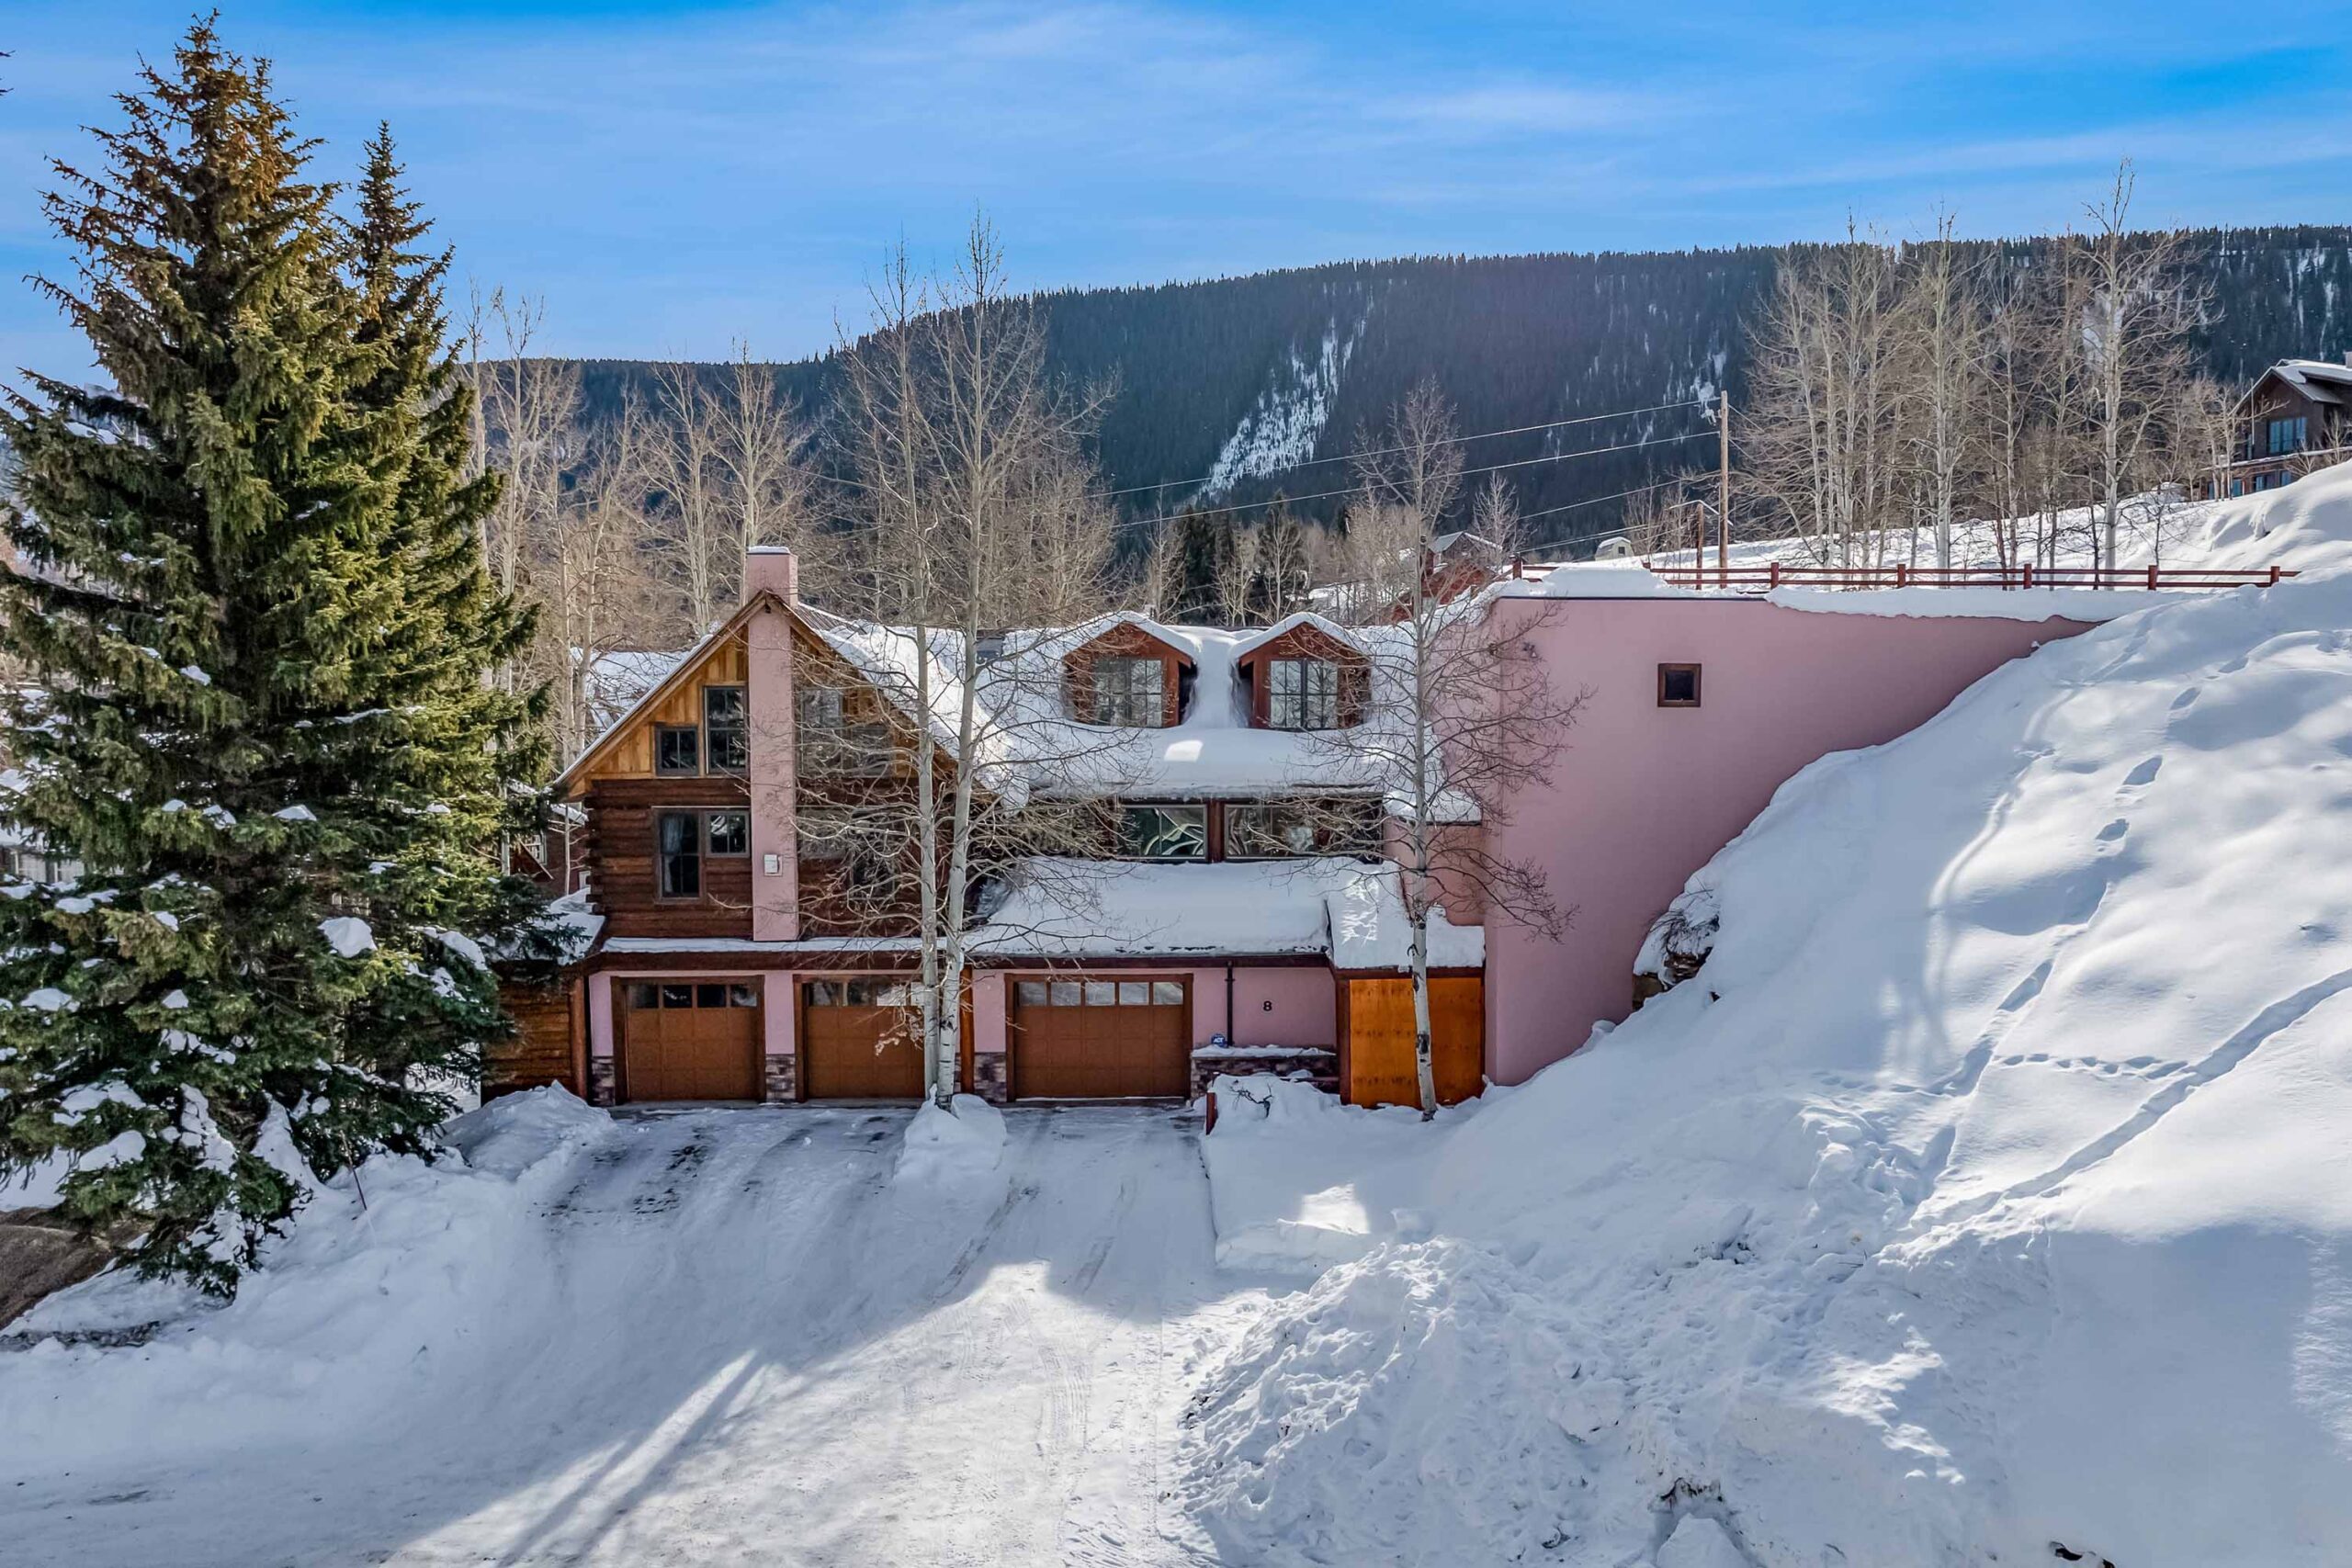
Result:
[1102,993]
[677,996]
[742,996]
[1029,993]
[1168,993]
[1134,993]
[823,994]
[710,996]
[644,994]
[1677,685]
[1064,993]
[731,833]
[677,749]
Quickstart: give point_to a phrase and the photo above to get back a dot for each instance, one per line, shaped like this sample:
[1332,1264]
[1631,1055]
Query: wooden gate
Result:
[1376,1039]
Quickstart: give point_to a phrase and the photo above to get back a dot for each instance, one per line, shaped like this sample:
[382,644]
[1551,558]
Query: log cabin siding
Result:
[549,1041]
[621,865]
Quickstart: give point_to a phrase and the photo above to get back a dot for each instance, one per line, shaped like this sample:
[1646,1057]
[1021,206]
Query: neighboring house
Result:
[2295,421]
[1218,919]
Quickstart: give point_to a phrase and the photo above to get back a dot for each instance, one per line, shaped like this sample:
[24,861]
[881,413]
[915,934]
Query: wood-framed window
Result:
[819,709]
[1302,694]
[726,725]
[1677,685]
[1130,692]
[1282,829]
[1165,832]
[677,751]
[683,839]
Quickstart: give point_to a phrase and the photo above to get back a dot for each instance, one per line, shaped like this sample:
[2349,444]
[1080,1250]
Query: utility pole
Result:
[1722,506]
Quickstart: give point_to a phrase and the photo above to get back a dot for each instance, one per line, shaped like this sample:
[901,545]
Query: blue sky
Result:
[670,176]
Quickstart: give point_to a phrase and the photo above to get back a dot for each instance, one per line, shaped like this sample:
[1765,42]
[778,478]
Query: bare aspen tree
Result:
[764,487]
[1236,576]
[595,592]
[2135,323]
[1285,564]
[1819,441]
[1159,575]
[1459,717]
[1943,349]
[680,453]
[1493,516]
[977,513]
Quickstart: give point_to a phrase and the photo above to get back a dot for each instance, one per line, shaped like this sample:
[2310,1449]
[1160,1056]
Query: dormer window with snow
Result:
[1302,694]
[1129,693]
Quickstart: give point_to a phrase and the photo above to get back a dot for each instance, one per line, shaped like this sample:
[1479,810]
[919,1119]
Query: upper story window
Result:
[2289,434]
[1677,685]
[1164,833]
[1129,692]
[1303,694]
[677,749]
[726,729]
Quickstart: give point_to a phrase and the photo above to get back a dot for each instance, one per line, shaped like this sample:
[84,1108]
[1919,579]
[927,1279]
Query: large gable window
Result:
[1130,692]
[1303,694]
[725,723]
[1164,833]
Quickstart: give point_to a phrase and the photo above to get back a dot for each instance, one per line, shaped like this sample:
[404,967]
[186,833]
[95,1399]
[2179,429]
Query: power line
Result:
[1488,468]
[1392,451]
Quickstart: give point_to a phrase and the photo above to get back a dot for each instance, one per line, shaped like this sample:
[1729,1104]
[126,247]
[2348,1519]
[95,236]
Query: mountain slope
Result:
[1241,380]
[1988,1192]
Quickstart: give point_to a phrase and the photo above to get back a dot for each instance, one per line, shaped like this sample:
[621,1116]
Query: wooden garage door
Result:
[1377,1059]
[1101,1038]
[691,1040]
[857,1041]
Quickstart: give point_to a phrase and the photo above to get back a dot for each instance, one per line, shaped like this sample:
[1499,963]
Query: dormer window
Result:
[1130,692]
[1302,694]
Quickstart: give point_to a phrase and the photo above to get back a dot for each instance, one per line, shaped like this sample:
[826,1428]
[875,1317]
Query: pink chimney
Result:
[771,568]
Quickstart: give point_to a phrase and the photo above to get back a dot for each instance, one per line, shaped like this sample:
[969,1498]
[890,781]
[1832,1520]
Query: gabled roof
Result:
[1255,641]
[2322,380]
[1068,641]
[680,672]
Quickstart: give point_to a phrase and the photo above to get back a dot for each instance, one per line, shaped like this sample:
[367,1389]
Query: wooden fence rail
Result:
[1765,577]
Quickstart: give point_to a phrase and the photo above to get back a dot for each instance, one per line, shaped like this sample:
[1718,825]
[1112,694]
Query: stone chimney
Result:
[774,569]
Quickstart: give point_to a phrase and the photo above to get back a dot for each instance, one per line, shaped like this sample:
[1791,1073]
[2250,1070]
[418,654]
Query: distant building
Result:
[2293,420]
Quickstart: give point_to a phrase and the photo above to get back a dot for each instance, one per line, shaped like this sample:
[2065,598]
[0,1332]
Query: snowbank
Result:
[959,1149]
[376,1306]
[1298,1181]
[2004,1198]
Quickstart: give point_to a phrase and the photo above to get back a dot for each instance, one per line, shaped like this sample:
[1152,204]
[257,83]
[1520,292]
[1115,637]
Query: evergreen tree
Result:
[257,719]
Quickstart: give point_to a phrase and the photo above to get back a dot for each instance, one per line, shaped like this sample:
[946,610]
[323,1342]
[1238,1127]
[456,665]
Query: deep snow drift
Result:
[1988,1192]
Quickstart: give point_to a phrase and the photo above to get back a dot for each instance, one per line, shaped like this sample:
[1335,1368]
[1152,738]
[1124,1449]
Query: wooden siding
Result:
[622,869]
[1306,641]
[1124,640]
[628,754]
[1377,1064]
[549,1045]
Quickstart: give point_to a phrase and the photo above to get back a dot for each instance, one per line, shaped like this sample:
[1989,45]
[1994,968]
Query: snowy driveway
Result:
[731,1339]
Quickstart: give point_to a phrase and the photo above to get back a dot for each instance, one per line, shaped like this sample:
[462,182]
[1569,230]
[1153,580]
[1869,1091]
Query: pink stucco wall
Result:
[1646,796]
[1270,1006]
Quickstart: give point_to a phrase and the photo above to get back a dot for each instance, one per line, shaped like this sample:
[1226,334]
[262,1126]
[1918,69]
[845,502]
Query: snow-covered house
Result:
[1225,914]
[2297,417]
[1228,908]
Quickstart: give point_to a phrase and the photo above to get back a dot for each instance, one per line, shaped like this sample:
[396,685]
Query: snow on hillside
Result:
[1985,1197]
[1281,428]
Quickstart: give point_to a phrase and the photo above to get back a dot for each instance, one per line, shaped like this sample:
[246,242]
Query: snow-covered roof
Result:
[2322,380]
[1253,641]
[1347,910]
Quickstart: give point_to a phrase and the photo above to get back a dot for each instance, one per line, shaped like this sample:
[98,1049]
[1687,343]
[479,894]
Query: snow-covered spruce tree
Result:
[255,718]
